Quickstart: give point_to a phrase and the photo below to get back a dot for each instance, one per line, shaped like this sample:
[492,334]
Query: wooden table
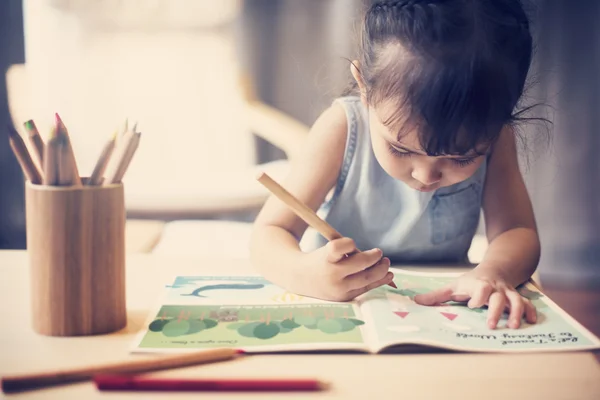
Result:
[398,376]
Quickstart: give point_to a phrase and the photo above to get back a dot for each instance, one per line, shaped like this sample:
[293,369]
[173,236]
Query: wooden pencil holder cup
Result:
[76,248]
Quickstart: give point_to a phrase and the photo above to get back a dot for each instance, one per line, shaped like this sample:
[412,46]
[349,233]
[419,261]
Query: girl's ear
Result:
[354,65]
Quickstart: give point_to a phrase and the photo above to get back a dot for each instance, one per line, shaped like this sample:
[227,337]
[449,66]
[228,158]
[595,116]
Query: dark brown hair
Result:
[453,69]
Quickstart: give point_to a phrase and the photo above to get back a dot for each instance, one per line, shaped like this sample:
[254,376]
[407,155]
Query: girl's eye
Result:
[463,162]
[399,153]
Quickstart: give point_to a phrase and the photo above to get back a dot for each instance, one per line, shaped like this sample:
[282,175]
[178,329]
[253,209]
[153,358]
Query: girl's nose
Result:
[427,176]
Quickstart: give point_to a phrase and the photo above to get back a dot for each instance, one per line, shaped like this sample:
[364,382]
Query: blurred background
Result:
[222,89]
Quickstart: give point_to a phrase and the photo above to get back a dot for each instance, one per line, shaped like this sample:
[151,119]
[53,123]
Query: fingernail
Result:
[491,324]
[514,323]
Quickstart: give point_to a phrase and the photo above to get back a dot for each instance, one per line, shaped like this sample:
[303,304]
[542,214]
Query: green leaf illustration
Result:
[157,325]
[356,321]
[266,331]
[330,326]
[176,328]
[196,326]
[346,325]
[247,330]
[307,322]
[282,329]
[236,325]
[210,323]
[289,324]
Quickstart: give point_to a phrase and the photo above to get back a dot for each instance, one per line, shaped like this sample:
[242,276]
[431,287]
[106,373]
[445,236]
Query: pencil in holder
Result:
[76,248]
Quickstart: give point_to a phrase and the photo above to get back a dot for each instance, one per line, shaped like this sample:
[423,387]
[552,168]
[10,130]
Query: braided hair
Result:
[453,69]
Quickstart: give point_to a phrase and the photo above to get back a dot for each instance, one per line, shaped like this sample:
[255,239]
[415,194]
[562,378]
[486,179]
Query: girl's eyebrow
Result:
[407,150]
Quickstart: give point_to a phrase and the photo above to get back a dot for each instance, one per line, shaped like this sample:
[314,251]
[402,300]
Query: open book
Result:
[250,313]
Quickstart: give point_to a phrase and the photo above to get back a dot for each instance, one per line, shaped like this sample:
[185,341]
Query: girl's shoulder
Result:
[352,106]
[331,125]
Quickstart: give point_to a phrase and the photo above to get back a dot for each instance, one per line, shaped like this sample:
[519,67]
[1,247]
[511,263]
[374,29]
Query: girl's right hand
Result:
[339,272]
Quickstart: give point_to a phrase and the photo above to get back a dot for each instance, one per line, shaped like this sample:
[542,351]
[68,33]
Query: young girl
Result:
[403,168]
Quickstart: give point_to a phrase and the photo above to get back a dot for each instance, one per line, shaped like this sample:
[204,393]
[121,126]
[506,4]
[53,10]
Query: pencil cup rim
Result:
[51,188]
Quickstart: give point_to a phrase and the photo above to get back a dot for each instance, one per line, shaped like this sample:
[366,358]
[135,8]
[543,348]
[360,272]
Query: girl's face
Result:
[406,161]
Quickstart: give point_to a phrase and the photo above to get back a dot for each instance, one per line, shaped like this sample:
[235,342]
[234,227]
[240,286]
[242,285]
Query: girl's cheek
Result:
[457,174]
[394,166]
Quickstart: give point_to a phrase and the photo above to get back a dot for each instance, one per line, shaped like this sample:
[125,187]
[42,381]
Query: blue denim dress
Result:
[376,210]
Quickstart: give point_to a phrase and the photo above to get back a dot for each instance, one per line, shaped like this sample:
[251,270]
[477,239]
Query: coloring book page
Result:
[250,313]
[395,318]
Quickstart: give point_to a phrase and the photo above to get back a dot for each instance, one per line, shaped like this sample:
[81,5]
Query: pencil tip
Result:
[30,125]
[53,133]
[60,125]
[12,132]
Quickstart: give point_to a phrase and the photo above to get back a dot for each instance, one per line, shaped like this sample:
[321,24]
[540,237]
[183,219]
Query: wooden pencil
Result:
[302,210]
[103,160]
[30,170]
[123,158]
[36,380]
[52,151]
[69,163]
[36,141]
[67,175]
[123,132]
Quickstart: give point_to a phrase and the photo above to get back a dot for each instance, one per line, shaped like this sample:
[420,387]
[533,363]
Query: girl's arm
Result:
[514,247]
[274,247]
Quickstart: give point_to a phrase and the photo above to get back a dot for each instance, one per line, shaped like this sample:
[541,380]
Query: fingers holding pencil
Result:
[306,213]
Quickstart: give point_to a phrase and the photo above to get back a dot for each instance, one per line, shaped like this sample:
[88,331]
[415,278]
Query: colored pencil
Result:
[36,141]
[52,152]
[67,175]
[69,162]
[58,161]
[30,170]
[37,380]
[103,160]
[122,132]
[302,210]
[123,157]
[138,383]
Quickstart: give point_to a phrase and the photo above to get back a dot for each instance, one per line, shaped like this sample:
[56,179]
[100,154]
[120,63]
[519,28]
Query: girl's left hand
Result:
[478,289]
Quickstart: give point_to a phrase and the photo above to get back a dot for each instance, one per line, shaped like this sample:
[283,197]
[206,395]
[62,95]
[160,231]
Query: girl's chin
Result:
[426,188]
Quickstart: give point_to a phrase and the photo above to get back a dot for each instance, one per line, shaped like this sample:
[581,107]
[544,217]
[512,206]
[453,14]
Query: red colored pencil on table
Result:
[138,383]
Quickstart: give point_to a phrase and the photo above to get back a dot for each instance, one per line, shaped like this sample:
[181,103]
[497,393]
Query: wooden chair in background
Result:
[212,221]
